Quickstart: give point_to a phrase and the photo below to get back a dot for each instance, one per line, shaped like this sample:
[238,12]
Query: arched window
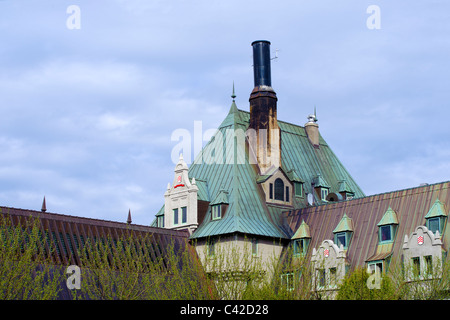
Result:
[279,189]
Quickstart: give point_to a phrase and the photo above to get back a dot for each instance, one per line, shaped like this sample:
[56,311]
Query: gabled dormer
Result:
[301,239]
[345,191]
[297,183]
[343,232]
[321,187]
[387,227]
[436,217]
[219,205]
[277,187]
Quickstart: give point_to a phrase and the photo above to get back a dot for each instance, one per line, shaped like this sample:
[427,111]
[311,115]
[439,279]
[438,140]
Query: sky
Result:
[92,91]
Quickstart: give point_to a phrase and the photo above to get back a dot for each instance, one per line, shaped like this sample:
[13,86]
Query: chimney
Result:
[312,129]
[264,133]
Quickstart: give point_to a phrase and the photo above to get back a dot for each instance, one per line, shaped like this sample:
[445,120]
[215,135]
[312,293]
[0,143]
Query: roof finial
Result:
[44,207]
[233,95]
[129,216]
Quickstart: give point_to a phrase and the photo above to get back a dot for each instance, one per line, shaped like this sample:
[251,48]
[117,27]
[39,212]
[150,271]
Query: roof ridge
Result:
[357,201]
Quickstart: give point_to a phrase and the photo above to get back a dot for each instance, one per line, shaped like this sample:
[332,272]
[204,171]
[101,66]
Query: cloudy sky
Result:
[87,114]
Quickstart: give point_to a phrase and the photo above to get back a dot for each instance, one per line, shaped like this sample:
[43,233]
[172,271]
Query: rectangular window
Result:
[287,281]
[300,246]
[298,189]
[385,233]
[216,212]
[332,277]
[271,190]
[416,266]
[375,267]
[322,277]
[183,215]
[175,216]
[434,224]
[341,239]
[160,221]
[324,193]
[287,194]
[211,247]
[254,246]
[428,264]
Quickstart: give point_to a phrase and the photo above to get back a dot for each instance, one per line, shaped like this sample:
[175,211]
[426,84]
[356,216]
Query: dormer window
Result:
[387,227]
[298,186]
[324,193]
[219,205]
[341,239]
[386,233]
[301,240]
[216,212]
[321,187]
[435,218]
[434,224]
[277,188]
[343,232]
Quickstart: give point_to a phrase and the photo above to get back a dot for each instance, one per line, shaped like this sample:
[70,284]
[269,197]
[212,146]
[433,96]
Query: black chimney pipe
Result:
[261,63]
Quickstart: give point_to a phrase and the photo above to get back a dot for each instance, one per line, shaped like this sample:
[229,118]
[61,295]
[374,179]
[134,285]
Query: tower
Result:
[180,205]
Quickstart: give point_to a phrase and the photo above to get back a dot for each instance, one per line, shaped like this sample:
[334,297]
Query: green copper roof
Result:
[320,182]
[292,175]
[248,211]
[221,198]
[389,217]
[344,187]
[302,232]
[436,210]
[346,224]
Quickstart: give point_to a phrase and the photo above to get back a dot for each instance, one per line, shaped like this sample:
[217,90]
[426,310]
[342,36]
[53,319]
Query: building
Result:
[275,184]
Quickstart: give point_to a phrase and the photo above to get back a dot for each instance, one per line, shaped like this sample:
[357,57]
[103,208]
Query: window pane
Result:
[271,190]
[416,266]
[340,237]
[298,189]
[433,225]
[287,194]
[385,233]
[175,216]
[254,247]
[183,215]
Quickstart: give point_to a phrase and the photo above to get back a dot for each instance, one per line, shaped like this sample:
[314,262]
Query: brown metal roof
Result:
[410,205]
[68,233]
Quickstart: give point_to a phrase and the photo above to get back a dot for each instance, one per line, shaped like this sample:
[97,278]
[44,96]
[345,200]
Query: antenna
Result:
[276,55]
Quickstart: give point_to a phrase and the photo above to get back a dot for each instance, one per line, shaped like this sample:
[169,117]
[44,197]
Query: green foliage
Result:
[26,271]
[355,287]
[139,267]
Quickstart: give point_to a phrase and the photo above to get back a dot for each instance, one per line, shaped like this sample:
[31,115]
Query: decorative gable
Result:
[180,205]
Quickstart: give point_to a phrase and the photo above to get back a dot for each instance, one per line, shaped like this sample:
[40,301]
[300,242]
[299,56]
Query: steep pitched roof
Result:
[248,211]
[410,207]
